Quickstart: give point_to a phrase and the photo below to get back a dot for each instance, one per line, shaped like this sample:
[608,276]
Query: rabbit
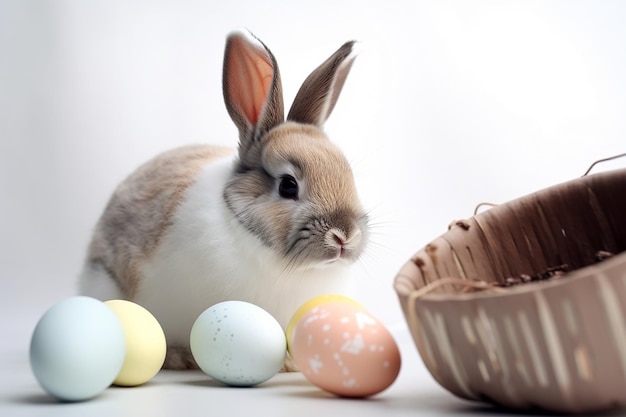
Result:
[274,222]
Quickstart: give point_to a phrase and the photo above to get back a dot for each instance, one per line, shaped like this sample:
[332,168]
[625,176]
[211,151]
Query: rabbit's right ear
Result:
[252,92]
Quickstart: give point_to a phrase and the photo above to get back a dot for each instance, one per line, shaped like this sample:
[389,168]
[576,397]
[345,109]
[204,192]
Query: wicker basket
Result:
[557,345]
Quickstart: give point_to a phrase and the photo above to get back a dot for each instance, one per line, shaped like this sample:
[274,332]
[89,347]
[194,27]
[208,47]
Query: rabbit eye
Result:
[288,187]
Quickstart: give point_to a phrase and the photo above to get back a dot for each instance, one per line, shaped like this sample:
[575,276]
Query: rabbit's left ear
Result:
[319,92]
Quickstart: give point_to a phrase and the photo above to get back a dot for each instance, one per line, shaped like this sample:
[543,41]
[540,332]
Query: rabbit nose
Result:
[338,239]
[335,237]
[341,242]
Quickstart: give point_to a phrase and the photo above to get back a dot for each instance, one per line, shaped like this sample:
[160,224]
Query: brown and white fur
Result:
[274,223]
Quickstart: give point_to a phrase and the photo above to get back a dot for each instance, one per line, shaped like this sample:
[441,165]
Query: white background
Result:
[449,104]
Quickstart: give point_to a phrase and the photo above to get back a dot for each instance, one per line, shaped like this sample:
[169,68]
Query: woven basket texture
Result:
[557,345]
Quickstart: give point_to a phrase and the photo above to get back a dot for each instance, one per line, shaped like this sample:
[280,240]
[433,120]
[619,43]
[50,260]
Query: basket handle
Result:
[610,158]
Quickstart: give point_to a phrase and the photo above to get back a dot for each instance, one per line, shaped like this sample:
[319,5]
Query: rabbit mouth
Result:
[343,246]
[325,247]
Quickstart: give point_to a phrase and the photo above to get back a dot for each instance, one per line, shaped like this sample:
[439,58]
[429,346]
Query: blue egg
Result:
[77,349]
[238,343]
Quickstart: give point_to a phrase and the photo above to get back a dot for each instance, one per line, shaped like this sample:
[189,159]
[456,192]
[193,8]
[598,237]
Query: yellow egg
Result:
[145,343]
[312,303]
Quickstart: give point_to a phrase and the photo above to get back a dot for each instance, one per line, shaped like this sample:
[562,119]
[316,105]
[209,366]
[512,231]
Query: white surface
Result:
[191,393]
[450,103]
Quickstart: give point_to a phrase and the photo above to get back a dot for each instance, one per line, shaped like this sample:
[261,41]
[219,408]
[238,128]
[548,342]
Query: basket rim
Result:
[404,285]
[570,278]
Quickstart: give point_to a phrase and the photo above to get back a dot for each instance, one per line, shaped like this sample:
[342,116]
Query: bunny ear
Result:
[252,90]
[319,92]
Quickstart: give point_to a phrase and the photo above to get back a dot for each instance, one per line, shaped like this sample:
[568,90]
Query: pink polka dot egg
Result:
[342,348]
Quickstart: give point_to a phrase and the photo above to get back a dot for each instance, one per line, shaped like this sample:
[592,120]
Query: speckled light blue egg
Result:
[238,343]
[77,349]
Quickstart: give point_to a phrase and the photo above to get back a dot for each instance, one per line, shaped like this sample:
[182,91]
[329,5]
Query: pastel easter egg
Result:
[145,343]
[344,350]
[238,343]
[77,349]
